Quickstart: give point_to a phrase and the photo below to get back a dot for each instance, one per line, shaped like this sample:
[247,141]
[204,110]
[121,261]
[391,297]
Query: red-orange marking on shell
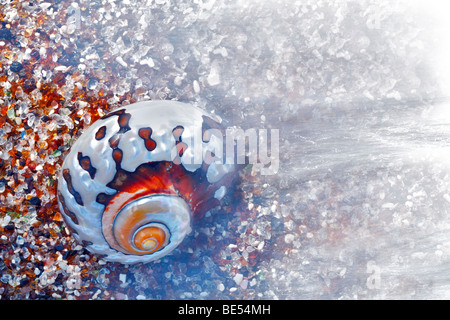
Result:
[101,132]
[145,133]
[123,121]
[85,163]
[114,141]
[117,155]
[150,145]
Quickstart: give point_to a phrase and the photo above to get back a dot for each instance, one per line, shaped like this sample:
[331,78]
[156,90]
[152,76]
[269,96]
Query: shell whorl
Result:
[150,224]
[132,183]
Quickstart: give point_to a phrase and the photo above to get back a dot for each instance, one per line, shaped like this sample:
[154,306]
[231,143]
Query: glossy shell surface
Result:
[134,180]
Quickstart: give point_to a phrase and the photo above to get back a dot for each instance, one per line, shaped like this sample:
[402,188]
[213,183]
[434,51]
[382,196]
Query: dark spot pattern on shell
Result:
[70,188]
[123,121]
[68,213]
[104,198]
[85,163]
[145,134]
[100,134]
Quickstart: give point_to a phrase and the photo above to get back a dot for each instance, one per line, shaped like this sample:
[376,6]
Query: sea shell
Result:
[134,180]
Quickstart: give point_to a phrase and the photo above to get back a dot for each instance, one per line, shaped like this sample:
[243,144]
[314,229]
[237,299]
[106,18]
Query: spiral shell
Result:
[131,184]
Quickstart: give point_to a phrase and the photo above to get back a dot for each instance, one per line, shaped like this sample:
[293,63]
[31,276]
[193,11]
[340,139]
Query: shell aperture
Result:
[132,184]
